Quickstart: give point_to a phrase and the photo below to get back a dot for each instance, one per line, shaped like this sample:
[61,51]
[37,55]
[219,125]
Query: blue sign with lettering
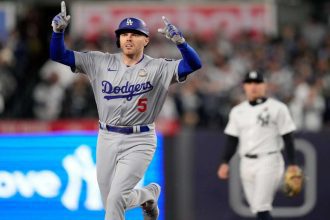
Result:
[3,32]
[53,176]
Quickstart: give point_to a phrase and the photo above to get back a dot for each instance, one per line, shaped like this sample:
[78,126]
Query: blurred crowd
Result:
[296,63]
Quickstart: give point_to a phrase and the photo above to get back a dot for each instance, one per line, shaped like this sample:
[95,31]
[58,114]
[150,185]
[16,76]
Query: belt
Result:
[124,129]
[255,156]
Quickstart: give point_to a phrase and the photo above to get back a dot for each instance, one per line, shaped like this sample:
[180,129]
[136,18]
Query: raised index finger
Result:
[165,20]
[63,9]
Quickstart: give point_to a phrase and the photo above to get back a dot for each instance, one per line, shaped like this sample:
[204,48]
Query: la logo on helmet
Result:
[129,21]
[253,75]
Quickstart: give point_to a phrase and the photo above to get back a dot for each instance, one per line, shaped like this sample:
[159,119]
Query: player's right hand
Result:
[61,21]
[223,171]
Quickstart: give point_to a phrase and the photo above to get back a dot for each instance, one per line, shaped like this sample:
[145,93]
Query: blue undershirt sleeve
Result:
[59,53]
[190,60]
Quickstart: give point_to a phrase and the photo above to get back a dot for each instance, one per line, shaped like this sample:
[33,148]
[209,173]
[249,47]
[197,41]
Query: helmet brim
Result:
[127,30]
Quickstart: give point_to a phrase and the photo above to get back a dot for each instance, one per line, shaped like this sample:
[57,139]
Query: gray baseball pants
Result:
[121,161]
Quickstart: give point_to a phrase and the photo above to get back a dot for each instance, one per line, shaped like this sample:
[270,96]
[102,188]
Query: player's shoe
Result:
[150,208]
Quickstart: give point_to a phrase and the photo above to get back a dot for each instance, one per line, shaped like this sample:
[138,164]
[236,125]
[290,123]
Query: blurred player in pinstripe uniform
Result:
[260,126]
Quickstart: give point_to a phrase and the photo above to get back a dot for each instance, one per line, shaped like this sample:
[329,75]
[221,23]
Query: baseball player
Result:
[130,88]
[259,126]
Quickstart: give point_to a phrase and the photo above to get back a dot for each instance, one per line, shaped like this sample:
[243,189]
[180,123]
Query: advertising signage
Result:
[53,176]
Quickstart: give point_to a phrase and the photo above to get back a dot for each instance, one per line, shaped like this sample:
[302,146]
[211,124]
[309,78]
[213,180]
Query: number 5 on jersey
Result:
[142,105]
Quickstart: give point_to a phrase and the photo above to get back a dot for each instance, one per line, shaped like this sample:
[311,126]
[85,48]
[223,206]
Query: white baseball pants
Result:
[260,179]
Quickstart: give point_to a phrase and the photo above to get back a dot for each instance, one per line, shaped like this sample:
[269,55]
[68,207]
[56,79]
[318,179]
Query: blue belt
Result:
[126,129]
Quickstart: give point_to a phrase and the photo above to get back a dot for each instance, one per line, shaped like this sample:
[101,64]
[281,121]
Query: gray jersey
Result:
[124,95]
[260,127]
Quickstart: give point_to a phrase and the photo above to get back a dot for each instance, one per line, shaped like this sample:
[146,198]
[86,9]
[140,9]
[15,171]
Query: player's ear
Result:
[146,41]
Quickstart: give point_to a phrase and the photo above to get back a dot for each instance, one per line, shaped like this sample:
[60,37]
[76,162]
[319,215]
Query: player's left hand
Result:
[293,180]
[61,21]
[171,32]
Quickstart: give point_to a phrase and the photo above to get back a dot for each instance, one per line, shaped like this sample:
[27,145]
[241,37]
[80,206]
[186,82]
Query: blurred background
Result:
[289,40]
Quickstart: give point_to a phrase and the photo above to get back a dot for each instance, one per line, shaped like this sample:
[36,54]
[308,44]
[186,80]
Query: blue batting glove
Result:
[61,21]
[171,32]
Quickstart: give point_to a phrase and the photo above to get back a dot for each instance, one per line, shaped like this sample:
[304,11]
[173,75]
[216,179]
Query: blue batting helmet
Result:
[131,24]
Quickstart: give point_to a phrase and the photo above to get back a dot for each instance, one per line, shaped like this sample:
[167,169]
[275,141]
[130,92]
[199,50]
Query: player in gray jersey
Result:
[130,88]
[259,126]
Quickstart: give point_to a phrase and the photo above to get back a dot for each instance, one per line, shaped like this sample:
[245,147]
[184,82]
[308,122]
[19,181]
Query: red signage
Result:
[166,127]
[228,18]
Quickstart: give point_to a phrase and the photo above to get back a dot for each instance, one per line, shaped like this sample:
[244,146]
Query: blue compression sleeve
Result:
[59,53]
[190,62]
